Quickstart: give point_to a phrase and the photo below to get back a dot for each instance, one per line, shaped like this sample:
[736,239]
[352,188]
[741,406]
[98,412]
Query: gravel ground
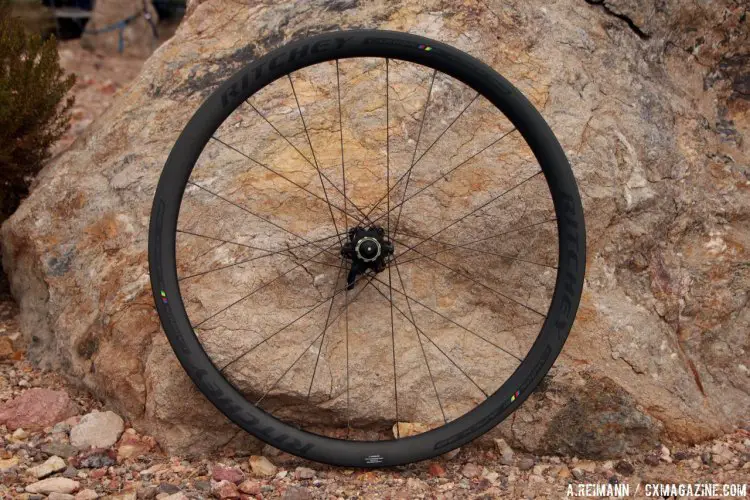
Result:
[126,465]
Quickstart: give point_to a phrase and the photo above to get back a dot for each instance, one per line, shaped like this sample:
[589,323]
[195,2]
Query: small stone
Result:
[168,488]
[132,445]
[52,465]
[296,493]
[664,455]
[261,466]
[651,460]
[97,430]
[224,489]
[70,472]
[564,472]
[406,429]
[578,473]
[6,347]
[471,470]
[231,474]
[60,449]
[706,458]
[682,455]
[436,470]
[451,454]
[176,496]
[250,487]
[624,467]
[526,463]
[506,452]
[53,485]
[148,493]
[304,473]
[86,495]
[8,463]
[19,435]
[60,496]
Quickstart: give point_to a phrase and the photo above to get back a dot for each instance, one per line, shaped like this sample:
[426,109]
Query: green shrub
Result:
[34,110]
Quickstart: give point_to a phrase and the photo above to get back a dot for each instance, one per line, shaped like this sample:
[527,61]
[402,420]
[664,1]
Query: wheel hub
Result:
[367,248]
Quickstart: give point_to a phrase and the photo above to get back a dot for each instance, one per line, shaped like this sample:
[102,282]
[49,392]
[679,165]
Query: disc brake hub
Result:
[366,249]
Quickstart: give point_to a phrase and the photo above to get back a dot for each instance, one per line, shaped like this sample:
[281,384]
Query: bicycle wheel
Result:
[367,248]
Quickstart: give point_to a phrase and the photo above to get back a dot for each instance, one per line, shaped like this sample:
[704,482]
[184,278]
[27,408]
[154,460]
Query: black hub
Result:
[367,249]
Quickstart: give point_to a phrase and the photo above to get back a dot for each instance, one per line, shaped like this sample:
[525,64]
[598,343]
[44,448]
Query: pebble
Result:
[8,463]
[506,452]
[578,473]
[250,487]
[436,470]
[86,494]
[304,473]
[168,488]
[60,496]
[97,430]
[664,455]
[19,435]
[224,489]
[296,493]
[37,408]
[651,460]
[625,468]
[50,466]
[261,466]
[53,485]
[60,449]
[526,463]
[471,470]
[231,474]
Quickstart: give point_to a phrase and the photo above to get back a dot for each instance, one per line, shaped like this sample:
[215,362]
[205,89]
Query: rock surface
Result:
[650,104]
[37,408]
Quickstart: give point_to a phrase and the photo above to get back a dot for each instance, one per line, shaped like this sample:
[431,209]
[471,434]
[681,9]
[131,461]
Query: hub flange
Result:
[367,248]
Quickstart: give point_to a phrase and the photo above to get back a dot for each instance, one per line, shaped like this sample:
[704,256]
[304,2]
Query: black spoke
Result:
[265,219]
[304,156]
[431,341]
[330,205]
[419,338]
[480,207]
[454,247]
[554,219]
[325,329]
[420,157]
[306,349]
[262,286]
[474,280]
[444,174]
[266,339]
[414,154]
[468,330]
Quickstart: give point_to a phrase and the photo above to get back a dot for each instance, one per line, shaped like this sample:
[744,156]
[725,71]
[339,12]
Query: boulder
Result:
[650,103]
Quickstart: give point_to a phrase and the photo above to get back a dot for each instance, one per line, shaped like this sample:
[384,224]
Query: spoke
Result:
[331,206]
[444,174]
[431,341]
[421,345]
[325,328]
[412,299]
[265,219]
[414,154]
[341,139]
[554,219]
[480,207]
[306,349]
[266,339]
[454,246]
[388,166]
[474,280]
[421,156]
[263,285]
[388,223]
[320,172]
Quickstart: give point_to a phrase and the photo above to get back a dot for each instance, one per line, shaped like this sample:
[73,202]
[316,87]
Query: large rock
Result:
[650,104]
[36,409]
